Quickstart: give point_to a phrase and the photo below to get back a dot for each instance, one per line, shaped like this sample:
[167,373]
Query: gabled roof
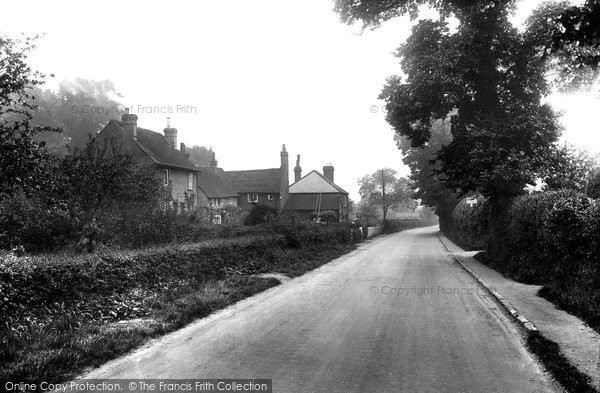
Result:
[155,146]
[214,183]
[315,183]
[311,202]
[256,180]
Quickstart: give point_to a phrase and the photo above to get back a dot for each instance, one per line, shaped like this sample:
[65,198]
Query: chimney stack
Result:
[285,178]
[328,172]
[171,134]
[182,149]
[297,170]
[129,123]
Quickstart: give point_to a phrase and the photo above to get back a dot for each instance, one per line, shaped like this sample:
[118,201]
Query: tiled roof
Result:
[310,201]
[257,180]
[214,184]
[314,182]
[157,147]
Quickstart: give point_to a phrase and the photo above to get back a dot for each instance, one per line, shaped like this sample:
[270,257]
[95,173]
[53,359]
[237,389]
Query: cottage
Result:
[151,148]
[316,193]
[216,193]
[268,187]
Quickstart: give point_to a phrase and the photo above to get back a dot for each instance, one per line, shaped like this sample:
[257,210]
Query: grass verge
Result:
[63,344]
[564,372]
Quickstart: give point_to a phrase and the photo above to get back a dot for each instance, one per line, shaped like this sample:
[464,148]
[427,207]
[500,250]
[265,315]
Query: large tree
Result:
[24,162]
[487,76]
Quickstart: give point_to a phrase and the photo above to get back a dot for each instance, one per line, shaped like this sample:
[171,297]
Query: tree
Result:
[579,32]
[384,190]
[80,108]
[199,155]
[425,175]
[572,168]
[487,76]
[24,162]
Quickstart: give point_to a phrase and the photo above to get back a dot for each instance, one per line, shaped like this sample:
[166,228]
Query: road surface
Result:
[396,315]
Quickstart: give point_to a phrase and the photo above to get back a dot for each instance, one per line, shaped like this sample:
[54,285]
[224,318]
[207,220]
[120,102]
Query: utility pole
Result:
[383,202]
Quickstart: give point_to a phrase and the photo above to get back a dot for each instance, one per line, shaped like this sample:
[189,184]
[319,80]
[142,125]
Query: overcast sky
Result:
[252,75]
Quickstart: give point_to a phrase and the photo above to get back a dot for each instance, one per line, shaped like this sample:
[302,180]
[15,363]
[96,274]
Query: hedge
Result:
[47,284]
[470,226]
[553,240]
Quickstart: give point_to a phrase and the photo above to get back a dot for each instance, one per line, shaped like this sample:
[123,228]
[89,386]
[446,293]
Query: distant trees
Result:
[425,171]
[80,108]
[382,190]
[199,155]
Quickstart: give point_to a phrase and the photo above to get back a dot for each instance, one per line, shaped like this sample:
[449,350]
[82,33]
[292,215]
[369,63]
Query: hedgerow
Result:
[553,240]
[470,223]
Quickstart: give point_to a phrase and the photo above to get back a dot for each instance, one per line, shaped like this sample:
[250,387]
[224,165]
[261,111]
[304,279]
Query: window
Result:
[190,181]
[270,197]
[166,177]
[253,197]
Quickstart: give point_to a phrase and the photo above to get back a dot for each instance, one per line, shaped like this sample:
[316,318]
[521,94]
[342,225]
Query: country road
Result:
[396,315]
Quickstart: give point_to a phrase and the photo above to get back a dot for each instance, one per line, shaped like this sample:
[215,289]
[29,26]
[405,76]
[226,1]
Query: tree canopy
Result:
[487,76]
[23,160]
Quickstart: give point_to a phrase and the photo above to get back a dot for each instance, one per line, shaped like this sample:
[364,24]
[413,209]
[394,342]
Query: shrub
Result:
[553,240]
[259,215]
[470,222]
[36,226]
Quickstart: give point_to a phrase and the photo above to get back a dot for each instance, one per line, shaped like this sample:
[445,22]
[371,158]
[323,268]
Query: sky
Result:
[246,77]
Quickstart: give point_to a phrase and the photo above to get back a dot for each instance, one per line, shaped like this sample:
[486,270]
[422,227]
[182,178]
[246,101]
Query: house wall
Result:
[262,200]
[178,182]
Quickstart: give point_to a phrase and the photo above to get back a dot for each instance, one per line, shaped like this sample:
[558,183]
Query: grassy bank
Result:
[68,313]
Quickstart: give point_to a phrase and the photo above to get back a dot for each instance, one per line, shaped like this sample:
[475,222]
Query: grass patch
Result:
[550,355]
[61,348]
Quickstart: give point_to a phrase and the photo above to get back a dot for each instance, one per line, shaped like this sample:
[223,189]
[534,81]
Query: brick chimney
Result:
[297,170]
[285,177]
[129,123]
[171,134]
[328,172]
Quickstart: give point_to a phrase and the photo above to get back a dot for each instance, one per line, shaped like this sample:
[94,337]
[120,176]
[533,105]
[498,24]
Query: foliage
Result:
[487,76]
[328,216]
[594,184]
[259,214]
[23,160]
[425,171]
[80,108]
[199,155]
[577,42]
[470,225]
[553,241]
[384,190]
[571,168]
[397,225]
[367,213]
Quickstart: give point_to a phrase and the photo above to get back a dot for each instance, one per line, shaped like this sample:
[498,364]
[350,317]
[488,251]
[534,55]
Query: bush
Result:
[470,222]
[32,224]
[259,215]
[553,241]
[397,225]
